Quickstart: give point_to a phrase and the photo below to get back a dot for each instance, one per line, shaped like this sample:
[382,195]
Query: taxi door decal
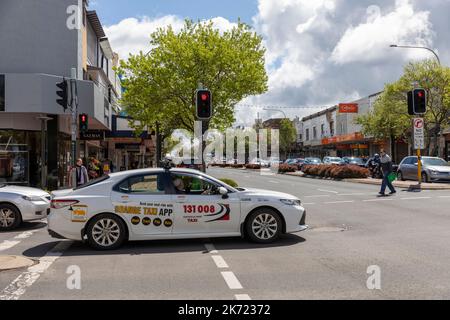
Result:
[222,216]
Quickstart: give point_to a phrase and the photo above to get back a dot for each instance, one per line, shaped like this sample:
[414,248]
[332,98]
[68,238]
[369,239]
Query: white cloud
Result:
[369,41]
[132,35]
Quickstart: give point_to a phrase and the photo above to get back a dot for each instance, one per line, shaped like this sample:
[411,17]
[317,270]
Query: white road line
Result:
[242,297]
[231,280]
[308,203]
[330,191]
[210,248]
[416,198]
[381,199]
[353,194]
[318,196]
[8,244]
[337,202]
[273,181]
[25,280]
[444,196]
[220,262]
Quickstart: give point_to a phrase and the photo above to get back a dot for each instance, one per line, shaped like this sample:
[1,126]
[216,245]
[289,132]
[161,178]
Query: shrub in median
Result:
[282,168]
[252,166]
[336,171]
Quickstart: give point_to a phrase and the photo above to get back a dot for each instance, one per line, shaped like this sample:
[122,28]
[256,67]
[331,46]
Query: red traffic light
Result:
[83,118]
[204,96]
[420,94]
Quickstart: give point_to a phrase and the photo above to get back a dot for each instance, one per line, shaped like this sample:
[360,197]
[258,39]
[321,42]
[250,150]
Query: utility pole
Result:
[74,109]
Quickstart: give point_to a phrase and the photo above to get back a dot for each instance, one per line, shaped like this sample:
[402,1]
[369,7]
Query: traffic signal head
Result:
[84,122]
[203,104]
[420,101]
[417,102]
[61,92]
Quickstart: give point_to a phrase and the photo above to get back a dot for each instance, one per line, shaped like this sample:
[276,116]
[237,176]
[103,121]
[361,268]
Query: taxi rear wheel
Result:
[106,232]
[10,217]
[264,226]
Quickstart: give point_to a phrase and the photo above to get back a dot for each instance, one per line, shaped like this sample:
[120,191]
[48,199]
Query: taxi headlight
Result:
[435,172]
[290,202]
[32,198]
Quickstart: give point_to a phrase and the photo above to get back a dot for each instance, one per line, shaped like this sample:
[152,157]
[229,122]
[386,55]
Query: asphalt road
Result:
[407,236]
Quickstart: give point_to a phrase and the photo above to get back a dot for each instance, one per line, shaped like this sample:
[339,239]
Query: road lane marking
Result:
[25,280]
[242,297]
[318,196]
[273,181]
[444,196]
[231,280]
[353,194]
[330,191]
[337,202]
[220,262]
[210,248]
[416,198]
[308,203]
[8,244]
[381,199]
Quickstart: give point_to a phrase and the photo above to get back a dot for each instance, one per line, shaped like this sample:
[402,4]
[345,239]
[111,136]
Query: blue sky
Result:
[112,11]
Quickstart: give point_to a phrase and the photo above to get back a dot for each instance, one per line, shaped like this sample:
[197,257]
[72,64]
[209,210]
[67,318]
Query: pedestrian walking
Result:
[81,174]
[386,169]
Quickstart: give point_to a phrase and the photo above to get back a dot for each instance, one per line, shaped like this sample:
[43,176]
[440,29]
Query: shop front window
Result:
[14,158]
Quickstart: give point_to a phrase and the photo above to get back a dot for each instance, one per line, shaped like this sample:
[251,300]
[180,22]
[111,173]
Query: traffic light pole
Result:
[74,110]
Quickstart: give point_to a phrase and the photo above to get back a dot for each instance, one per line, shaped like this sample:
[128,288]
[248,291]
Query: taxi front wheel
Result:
[264,226]
[106,232]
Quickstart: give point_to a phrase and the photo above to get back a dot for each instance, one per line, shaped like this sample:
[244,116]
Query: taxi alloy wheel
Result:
[106,232]
[9,217]
[264,226]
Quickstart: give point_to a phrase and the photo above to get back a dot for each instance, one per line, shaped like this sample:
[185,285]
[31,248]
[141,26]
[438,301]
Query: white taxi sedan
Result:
[151,204]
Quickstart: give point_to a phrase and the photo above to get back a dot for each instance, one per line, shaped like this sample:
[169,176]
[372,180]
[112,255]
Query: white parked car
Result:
[18,204]
[176,203]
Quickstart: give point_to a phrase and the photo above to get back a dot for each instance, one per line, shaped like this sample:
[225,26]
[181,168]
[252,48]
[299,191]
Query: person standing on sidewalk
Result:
[386,168]
[81,174]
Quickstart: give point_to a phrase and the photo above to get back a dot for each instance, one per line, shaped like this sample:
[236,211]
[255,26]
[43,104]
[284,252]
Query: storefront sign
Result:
[348,108]
[92,135]
[343,138]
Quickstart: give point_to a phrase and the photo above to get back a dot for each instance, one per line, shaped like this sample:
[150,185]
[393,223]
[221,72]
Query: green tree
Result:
[288,136]
[160,85]
[389,118]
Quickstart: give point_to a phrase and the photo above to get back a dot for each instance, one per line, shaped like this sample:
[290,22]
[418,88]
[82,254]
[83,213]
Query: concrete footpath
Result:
[396,183]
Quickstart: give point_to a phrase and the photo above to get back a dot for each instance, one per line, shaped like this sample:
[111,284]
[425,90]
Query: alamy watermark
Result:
[374,280]
[239,146]
[73,282]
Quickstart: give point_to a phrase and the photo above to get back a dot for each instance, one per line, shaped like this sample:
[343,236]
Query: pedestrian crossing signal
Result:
[84,122]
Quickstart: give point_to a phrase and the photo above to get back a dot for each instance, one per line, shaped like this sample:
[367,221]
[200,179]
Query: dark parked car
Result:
[295,162]
[355,161]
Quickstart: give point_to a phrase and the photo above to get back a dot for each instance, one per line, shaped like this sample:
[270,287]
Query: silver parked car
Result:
[18,204]
[333,160]
[433,169]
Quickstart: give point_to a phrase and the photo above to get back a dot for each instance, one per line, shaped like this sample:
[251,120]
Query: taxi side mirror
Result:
[224,192]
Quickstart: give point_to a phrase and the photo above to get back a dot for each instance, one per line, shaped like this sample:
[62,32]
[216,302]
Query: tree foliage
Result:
[288,135]
[160,85]
[390,118]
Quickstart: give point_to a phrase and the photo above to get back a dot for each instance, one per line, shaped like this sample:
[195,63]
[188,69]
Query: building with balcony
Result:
[39,49]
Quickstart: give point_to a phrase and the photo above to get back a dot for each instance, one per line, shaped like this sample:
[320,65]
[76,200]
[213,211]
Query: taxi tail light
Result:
[59,204]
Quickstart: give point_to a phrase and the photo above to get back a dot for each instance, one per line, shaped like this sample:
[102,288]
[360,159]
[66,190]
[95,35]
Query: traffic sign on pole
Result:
[419,139]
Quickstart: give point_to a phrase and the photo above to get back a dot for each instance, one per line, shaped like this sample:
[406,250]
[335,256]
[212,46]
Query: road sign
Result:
[419,139]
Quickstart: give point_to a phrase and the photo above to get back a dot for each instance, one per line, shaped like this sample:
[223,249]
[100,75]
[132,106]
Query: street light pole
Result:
[418,47]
